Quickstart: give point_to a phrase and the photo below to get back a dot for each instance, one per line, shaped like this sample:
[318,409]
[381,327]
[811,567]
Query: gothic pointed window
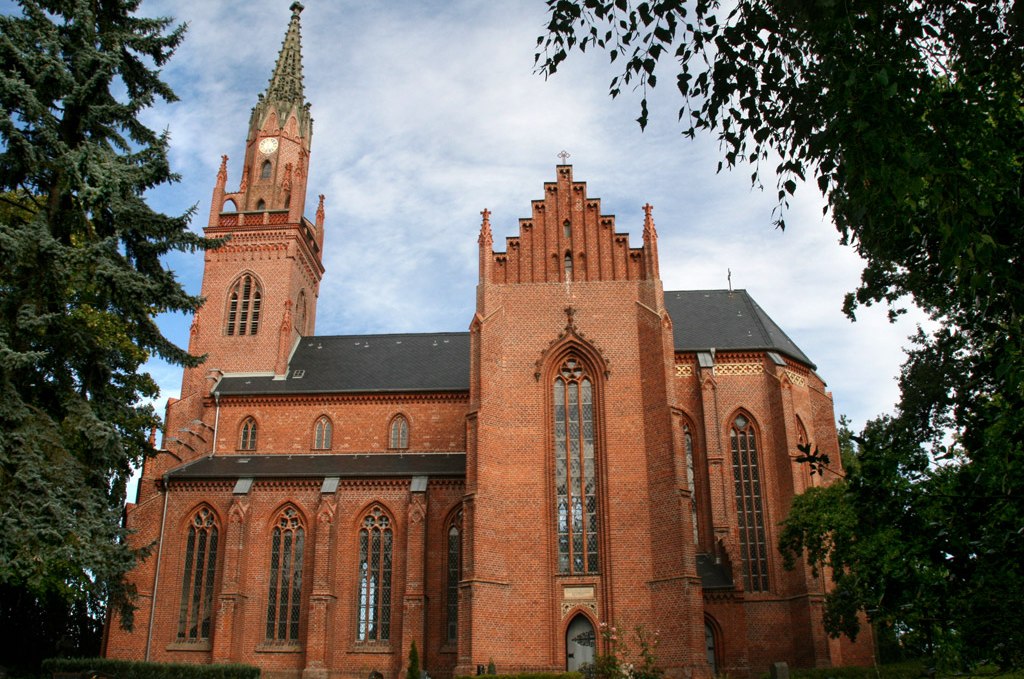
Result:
[196,608]
[284,597]
[568,266]
[375,553]
[247,435]
[575,478]
[691,479]
[244,302]
[453,570]
[399,437]
[261,204]
[322,434]
[265,170]
[749,504]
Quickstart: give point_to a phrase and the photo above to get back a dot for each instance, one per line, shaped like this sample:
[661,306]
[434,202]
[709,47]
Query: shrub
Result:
[128,669]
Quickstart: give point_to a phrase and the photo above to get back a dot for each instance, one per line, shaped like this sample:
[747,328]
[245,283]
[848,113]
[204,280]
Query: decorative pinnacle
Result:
[222,173]
[485,227]
[320,213]
[286,82]
[649,231]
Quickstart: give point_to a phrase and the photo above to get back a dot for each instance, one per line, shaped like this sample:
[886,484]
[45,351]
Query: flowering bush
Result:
[618,662]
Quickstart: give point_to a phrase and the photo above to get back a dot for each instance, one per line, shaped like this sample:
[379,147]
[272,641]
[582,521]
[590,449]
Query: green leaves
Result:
[910,118]
[81,280]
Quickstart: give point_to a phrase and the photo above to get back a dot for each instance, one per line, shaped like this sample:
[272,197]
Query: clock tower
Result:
[262,284]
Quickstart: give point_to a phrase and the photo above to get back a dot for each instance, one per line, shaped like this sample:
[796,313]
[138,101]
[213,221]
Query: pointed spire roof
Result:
[286,82]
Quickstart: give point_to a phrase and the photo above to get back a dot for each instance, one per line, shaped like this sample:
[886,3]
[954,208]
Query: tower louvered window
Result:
[575,479]
[375,551]
[196,609]
[285,594]
[749,505]
[244,303]
[454,574]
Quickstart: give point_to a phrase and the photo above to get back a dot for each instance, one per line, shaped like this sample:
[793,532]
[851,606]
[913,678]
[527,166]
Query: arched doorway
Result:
[580,643]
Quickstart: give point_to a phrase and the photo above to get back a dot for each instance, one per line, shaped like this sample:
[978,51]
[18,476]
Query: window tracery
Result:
[247,438]
[244,302]
[196,608]
[375,554]
[453,575]
[749,505]
[285,590]
[575,479]
[399,435]
[322,434]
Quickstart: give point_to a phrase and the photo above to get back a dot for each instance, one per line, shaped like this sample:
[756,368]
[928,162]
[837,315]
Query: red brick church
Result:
[593,450]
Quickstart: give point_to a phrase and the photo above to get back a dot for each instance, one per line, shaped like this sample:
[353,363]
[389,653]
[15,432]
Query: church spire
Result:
[286,83]
[285,95]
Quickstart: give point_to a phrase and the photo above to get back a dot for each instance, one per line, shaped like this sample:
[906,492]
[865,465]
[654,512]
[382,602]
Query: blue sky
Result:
[428,112]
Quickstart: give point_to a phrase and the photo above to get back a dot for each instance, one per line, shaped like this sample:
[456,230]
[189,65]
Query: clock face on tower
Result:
[268,145]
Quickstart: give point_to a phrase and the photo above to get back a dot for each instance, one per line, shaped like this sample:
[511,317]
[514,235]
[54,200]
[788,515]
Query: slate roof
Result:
[428,362]
[319,466]
[439,362]
[726,320]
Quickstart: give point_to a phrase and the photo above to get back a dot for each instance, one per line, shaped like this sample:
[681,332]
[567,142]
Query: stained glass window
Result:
[244,303]
[399,432]
[575,479]
[247,440]
[196,609]
[375,550]
[454,574]
[691,480]
[322,434]
[285,594]
[749,509]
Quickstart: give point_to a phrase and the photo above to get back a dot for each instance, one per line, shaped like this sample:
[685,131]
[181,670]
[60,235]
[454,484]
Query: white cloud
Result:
[425,113]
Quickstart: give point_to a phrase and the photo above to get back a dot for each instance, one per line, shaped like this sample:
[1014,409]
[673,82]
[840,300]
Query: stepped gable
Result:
[724,320]
[423,362]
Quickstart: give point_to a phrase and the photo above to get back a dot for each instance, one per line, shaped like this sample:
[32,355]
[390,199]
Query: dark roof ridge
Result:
[754,309]
[451,333]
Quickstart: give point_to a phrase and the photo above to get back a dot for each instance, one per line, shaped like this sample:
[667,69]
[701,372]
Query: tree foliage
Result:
[909,119]
[81,280]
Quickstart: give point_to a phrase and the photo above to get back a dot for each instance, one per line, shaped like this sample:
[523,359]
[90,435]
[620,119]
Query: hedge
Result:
[529,675]
[128,669]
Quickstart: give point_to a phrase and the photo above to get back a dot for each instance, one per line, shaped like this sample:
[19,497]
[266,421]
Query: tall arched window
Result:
[749,506]
[285,594]
[568,266]
[265,170]
[691,480]
[300,313]
[247,435]
[453,575]
[196,609]
[575,479]
[399,437]
[244,303]
[375,540]
[322,434]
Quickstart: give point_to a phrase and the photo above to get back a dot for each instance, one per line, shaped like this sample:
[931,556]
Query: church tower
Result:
[261,285]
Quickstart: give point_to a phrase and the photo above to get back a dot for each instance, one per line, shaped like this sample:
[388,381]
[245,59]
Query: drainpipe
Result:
[156,573]
[216,423]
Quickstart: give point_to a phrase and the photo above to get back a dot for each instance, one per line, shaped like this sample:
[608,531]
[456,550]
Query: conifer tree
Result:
[81,281]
